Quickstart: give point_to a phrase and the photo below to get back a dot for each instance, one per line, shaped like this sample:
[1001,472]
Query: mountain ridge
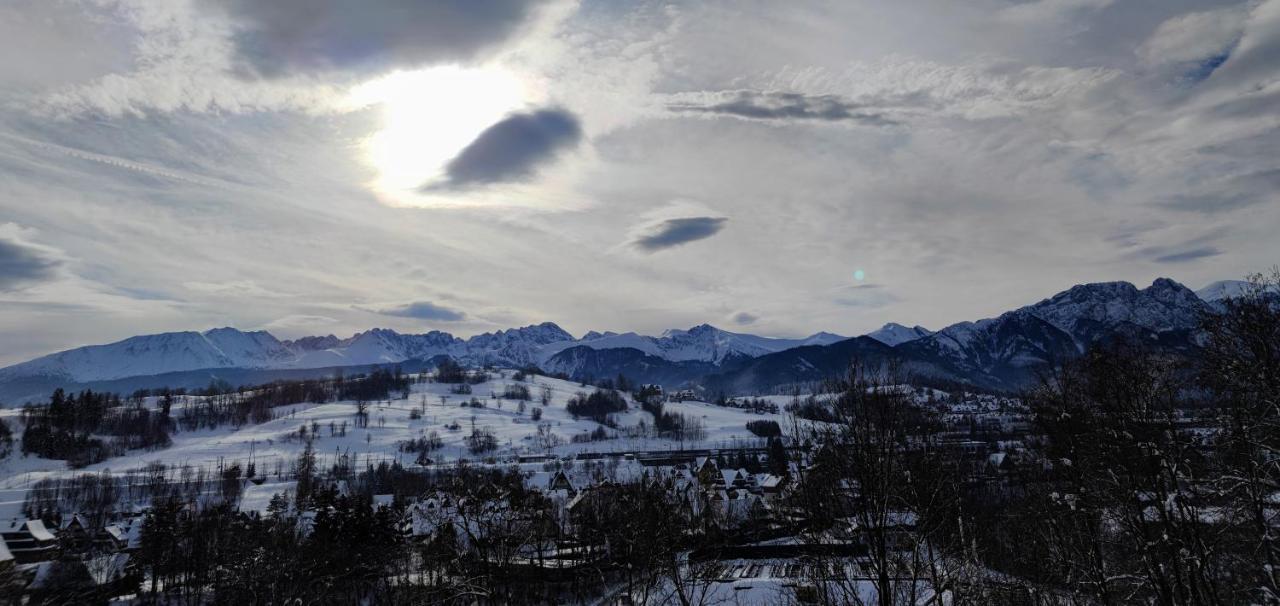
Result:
[998,352]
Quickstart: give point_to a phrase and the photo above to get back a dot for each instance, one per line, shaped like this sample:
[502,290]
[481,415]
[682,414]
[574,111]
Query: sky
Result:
[328,166]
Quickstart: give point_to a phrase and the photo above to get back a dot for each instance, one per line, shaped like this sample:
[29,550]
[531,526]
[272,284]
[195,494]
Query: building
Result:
[29,541]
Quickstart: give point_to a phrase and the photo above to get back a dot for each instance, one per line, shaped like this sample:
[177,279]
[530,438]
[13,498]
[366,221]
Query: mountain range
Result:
[995,353]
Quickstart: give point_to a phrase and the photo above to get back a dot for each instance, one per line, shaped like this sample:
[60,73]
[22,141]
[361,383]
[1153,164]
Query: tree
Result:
[1242,369]
[777,457]
[305,470]
[855,485]
[546,439]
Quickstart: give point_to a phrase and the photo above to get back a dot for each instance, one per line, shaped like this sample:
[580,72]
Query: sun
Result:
[428,116]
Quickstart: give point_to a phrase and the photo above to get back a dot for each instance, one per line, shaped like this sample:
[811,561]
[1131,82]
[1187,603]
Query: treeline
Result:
[597,406]
[1148,479]
[256,404]
[89,427]
[674,425]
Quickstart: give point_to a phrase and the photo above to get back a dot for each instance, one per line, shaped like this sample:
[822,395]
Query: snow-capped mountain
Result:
[702,343]
[1003,352]
[1222,289]
[894,333]
[156,354]
[1092,311]
[1005,347]
[230,348]
[995,352]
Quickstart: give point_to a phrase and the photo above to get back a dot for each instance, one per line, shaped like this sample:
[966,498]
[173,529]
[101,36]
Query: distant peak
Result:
[1167,284]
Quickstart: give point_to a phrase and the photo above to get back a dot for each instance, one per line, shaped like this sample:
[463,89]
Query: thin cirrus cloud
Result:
[513,149]
[1229,194]
[675,232]
[422,310]
[280,37]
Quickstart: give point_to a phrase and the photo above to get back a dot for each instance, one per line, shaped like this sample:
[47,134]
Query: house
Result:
[560,481]
[652,391]
[772,484]
[29,541]
[707,471]
[682,395]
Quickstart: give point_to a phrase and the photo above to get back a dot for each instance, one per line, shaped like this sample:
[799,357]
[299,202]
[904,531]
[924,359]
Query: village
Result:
[742,492]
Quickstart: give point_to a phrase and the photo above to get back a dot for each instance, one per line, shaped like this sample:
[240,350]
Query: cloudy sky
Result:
[326,166]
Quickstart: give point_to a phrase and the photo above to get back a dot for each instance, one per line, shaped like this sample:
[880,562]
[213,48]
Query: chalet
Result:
[560,481]
[707,471]
[682,395]
[652,392]
[29,541]
[771,484]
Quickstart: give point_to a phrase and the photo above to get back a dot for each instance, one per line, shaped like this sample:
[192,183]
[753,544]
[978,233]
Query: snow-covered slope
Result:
[1090,310]
[156,354]
[1222,289]
[1066,324]
[894,333]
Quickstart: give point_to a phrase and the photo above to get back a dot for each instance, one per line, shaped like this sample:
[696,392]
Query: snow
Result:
[1223,289]
[230,348]
[893,333]
[276,442]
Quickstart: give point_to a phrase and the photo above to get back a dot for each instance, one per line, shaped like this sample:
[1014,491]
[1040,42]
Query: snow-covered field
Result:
[276,442]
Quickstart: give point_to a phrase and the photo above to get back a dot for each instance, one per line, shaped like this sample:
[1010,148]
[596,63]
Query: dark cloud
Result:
[759,105]
[674,232]
[743,318]
[279,37]
[1188,255]
[424,310]
[513,149]
[21,265]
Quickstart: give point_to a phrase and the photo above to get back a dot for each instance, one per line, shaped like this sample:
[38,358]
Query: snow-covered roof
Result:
[38,531]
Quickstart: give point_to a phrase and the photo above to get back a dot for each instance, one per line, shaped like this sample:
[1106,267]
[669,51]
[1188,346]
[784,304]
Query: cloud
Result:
[1188,255]
[868,296]
[1252,65]
[294,322]
[781,106]
[235,288]
[674,232]
[422,310]
[1194,37]
[23,263]
[280,37]
[1048,12]
[743,318]
[1228,194]
[512,149]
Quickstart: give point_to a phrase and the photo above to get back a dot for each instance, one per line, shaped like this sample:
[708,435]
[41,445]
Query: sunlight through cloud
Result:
[428,116]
